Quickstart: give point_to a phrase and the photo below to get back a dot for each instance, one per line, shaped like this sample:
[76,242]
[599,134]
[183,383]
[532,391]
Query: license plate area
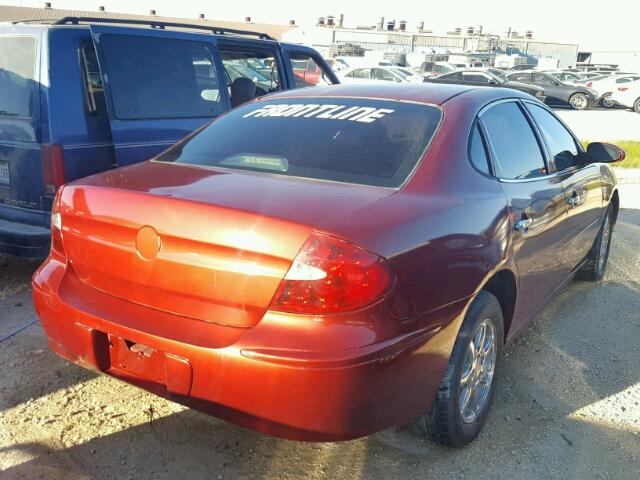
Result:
[135,359]
[5,178]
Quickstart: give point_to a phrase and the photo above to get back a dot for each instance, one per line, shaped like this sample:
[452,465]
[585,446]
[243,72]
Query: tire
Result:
[596,265]
[636,106]
[579,101]
[445,423]
[606,101]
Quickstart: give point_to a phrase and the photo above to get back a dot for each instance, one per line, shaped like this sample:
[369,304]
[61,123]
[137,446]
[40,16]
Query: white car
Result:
[607,85]
[628,95]
[374,74]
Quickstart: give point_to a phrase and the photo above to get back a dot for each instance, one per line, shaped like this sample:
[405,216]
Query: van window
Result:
[160,78]
[251,72]
[307,72]
[17,71]
[93,85]
[363,141]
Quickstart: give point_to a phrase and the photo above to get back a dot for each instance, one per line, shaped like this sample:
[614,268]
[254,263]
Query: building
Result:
[10,13]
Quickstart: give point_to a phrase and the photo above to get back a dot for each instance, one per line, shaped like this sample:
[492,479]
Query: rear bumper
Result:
[22,239]
[251,377]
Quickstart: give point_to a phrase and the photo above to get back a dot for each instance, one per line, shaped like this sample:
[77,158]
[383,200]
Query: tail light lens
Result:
[589,84]
[56,227]
[623,89]
[52,167]
[330,275]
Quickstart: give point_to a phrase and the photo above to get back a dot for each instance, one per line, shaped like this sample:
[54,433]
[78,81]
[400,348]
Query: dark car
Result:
[329,262]
[522,66]
[78,98]
[487,78]
[558,92]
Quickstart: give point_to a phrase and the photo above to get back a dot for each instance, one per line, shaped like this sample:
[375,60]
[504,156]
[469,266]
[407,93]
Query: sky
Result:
[597,26]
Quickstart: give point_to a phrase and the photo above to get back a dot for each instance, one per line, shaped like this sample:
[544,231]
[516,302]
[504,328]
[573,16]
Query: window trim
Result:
[492,172]
[89,109]
[534,128]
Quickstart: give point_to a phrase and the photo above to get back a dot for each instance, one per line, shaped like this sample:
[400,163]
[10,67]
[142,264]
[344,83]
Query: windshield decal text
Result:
[330,112]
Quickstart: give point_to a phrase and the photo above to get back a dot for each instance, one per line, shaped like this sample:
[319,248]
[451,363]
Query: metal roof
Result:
[9,13]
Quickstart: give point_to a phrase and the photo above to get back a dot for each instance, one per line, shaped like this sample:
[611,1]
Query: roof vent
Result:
[101,8]
[391,25]
[292,23]
[321,22]
[529,34]
[470,31]
[330,21]
[201,16]
[402,26]
[247,19]
[47,5]
[152,12]
[420,26]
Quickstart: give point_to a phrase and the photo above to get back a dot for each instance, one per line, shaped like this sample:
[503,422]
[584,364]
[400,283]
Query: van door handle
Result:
[523,224]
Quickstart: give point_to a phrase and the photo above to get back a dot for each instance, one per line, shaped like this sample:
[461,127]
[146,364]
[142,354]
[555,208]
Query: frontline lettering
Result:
[329,112]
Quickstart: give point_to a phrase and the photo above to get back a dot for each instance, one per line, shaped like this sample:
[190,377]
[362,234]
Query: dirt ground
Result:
[567,406]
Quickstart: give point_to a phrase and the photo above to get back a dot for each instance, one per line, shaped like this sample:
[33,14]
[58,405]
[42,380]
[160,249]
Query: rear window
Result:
[160,78]
[363,141]
[17,70]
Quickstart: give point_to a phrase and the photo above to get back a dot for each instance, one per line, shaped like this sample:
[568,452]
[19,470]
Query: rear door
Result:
[537,205]
[159,87]
[20,170]
[580,181]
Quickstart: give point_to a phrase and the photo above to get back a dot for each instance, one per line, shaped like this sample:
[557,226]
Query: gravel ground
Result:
[567,407]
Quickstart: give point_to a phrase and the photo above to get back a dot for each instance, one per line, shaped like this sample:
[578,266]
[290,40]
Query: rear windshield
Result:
[160,78]
[363,141]
[17,69]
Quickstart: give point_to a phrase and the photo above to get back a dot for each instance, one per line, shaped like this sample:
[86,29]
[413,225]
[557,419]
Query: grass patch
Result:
[631,148]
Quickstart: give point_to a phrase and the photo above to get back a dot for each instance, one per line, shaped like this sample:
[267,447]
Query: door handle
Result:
[523,224]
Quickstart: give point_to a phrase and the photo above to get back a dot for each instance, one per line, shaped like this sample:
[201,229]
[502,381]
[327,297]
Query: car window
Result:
[363,141]
[562,146]
[307,72]
[478,151]
[517,152]
[382,74]
[92,78]
[450,76]
[520,77]
[152,77]
[17,70]
[475,77]
[540,78]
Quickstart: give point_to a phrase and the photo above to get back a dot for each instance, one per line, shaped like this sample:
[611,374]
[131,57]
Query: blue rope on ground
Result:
[15,332]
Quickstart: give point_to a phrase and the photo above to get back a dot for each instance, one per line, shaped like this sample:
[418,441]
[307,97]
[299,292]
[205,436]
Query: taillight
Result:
[56,226]
[52,167]
[623,89]
[330,275]
[589,84]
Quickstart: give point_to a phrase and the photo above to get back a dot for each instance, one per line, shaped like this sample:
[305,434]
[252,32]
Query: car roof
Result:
[432,93]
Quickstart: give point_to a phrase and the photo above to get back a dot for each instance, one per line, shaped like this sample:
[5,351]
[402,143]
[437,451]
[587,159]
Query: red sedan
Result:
[329,262]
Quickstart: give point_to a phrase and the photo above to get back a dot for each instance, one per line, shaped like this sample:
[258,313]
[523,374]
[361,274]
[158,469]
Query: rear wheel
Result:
[593,270]
[462,403]
[579,101]
[606,101]
[636,106]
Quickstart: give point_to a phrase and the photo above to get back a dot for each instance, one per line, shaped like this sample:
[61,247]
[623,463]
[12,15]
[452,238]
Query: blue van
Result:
[78,97]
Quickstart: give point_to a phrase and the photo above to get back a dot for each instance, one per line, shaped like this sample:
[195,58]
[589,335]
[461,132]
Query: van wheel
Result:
[593,270]
[462,403]
[636,106]
[579,101]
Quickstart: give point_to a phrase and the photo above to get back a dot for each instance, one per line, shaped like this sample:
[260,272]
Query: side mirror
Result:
[605,152]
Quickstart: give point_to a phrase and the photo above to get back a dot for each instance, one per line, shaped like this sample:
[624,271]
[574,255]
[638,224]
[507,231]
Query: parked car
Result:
[487,78]
[523,66]
[329,259]
[378,73]
[432,69]
[557,92]
[607,85]
[62,117]
[628,96]
[572,78]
